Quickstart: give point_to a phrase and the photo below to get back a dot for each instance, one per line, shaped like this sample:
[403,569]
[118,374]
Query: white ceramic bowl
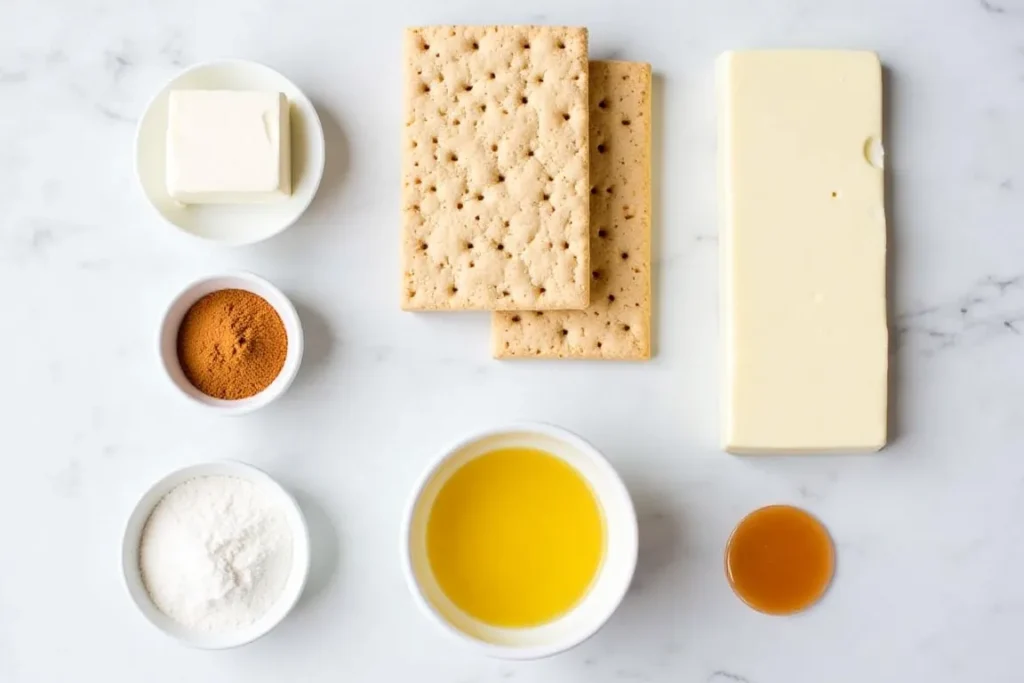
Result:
[231,224]
[613,577]
[289,595]
[168,340]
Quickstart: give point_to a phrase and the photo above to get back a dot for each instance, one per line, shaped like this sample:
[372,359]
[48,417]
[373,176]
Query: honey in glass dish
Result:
[779,560]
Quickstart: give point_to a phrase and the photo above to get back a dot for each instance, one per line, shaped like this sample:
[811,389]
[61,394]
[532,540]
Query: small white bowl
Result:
[231,224]
[292,588]
[168,341]
[609,586]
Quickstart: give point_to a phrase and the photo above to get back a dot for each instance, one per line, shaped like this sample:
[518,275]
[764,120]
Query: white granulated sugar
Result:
[216,553]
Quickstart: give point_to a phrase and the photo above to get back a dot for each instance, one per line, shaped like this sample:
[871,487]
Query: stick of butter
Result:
[803,251]
[228,147]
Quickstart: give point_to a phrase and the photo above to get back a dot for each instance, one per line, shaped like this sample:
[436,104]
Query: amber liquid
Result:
[780,560]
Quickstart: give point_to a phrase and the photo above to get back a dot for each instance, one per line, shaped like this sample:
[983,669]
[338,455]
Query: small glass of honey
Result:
[779,560]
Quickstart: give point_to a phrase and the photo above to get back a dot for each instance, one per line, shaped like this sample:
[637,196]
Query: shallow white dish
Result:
[232,224]
[289,595]
[168,340]
[613,577]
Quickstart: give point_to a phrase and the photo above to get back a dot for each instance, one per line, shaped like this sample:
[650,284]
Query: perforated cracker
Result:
[495,210]
[617,324]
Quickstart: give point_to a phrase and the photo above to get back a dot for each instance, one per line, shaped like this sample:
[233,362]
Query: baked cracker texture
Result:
[495,169]
[617,324]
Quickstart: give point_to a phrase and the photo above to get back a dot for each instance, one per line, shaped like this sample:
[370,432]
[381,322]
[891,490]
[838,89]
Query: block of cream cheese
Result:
[228,147]
[803,240]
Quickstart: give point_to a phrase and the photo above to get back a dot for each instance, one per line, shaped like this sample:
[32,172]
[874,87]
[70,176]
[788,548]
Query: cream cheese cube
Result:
[228,147]
[803,242]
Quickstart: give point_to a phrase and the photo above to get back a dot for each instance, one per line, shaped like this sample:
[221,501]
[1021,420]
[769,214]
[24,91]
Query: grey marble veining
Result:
[929,534]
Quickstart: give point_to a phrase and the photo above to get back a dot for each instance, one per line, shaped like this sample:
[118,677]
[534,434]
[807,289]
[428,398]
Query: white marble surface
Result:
[929,533]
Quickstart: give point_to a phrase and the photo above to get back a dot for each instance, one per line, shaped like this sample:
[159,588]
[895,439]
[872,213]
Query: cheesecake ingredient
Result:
[216,553]
[232,344]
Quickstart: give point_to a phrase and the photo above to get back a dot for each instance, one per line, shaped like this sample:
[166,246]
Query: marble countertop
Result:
[929,533]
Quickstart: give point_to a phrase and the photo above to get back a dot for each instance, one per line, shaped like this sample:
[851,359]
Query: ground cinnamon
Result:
[232,344]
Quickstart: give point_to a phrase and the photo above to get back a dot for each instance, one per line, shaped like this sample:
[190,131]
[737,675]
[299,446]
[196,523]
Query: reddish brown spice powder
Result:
[232,344]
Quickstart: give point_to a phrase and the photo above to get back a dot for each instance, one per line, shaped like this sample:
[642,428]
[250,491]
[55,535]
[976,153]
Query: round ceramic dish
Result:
[289,595]
[168,342]
[232,224]
[605,594]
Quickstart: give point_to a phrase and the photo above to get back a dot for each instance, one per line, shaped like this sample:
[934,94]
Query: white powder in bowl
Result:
[215,553]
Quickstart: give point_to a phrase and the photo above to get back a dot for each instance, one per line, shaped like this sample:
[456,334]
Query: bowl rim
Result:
[301,561]
[619,490]
[320,139]
[292,325]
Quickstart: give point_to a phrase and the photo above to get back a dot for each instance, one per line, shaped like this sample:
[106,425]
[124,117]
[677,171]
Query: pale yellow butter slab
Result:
[803,242]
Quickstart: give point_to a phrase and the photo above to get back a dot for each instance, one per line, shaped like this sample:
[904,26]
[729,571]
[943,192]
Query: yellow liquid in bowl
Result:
[515,537]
